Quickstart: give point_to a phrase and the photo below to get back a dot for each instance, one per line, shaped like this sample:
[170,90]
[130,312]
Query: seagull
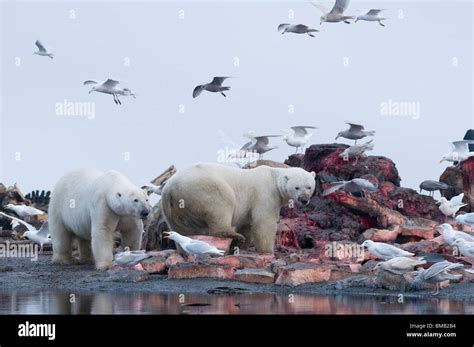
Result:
[459,153]
[130,258]
[438,272]
[42,50]
[152,188]
[192,247]
[215,86]
[258,144]
[110,87]
[24,211]
[355,132]
[236,155]
[371,16]
[432,186]
[466,219]
[299,136]
[357,150]
[356,185]
[450,235]
[451,207]
[384,250]
[40,236]
[400,265]
[336,14]
[296,29]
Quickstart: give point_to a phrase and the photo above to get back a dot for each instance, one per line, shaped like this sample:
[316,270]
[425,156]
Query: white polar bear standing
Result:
[240,203]
[90,205]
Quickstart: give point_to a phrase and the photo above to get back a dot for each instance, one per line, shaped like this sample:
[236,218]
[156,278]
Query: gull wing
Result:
[27,225]
[456,200]
[387,250]
[301,130]
[283,26]
[461,146]
[320,7]
[110,83]
[40,46]
[469,218]
[90,82]
[373,12]
[264,138]
[218,80]
[247,146]
[199,247]
[355,126]
[339,7]
[198,90]
[44,230]
[440,267]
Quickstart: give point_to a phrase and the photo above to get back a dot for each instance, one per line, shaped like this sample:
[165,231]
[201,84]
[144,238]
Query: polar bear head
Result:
[126,199]
[297,185]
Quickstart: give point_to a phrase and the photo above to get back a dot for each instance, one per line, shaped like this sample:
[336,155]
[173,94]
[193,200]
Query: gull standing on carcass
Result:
[24,211]
[192,247]
[400,265]
[355,132]
[459,153]
[432,186]
[299,137]
[372,16]
[356,185]
[356,150]
[450,207]
[258,144]
[110,87]
[336,14]
[296,29]
[40,236]
[436,273]
[384,250]
[215,86]
[466,219]
[42,50]
[450,235]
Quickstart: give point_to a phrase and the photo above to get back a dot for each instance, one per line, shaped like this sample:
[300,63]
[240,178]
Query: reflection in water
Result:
[149,303]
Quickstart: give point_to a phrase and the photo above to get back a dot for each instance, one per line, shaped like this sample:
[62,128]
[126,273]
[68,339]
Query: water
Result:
[150,303]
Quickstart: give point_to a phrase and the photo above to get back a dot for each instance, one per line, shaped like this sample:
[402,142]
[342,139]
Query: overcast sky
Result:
[164,49]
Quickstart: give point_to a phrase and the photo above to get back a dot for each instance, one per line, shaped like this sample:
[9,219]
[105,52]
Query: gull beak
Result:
[441,161]
[22,237]
[167,234]
[438,202]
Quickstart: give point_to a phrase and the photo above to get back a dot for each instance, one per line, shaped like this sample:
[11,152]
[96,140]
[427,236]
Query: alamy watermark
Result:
[393,108]
[75,109]
[19,250]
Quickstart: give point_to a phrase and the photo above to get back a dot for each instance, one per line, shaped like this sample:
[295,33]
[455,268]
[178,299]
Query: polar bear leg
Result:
[102,246]
[131,232]
[221,226]
[85,251]
[264,234]
[62,242]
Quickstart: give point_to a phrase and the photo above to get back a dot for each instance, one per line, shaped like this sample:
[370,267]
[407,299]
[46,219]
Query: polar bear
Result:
[90,205]
[243,204]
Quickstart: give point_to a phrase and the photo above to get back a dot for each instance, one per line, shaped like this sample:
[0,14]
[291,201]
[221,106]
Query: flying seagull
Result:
[336,14]
[42,50]
[372,16]
[299,136]
[215,86]
[296,29]
[110,87]
[192,247]
[40,236]
[258,144]
[355,132]
[459,153]
[384,250]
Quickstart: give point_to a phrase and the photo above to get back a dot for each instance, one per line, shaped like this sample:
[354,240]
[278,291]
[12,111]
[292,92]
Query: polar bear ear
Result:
[313,173]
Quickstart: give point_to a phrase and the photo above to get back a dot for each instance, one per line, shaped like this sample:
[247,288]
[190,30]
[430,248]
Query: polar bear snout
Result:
[145,213]
[304,200]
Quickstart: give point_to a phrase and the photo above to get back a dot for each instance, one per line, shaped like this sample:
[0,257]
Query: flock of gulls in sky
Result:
[394,259]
